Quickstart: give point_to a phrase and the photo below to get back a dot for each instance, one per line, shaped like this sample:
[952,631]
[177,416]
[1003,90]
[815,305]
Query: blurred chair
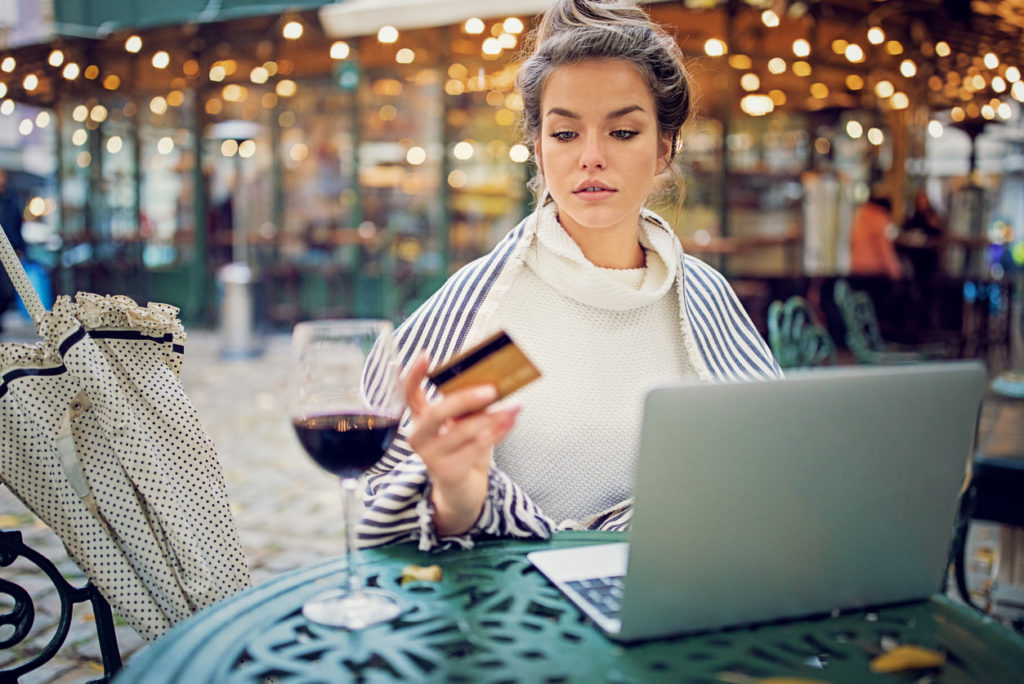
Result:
[863,336]
[796,338]
[995,490]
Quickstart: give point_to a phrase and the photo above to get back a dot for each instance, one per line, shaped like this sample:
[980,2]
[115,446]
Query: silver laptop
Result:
[830,490]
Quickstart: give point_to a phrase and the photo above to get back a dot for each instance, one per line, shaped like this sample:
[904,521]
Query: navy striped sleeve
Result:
[727,338]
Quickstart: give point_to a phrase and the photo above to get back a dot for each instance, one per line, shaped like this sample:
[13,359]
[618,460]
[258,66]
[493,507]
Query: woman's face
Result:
[599,148]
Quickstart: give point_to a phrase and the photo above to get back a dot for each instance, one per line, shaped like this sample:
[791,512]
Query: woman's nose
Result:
[593,155]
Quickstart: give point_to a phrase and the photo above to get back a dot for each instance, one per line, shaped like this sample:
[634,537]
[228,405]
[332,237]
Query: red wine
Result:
[346,444]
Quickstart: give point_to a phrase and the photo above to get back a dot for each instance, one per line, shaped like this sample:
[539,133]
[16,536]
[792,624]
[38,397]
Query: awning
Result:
[365,17]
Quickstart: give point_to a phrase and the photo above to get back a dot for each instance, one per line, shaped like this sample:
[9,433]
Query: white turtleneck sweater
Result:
[600,338]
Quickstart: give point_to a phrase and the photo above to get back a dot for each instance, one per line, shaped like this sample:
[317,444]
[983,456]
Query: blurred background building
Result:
[354,153]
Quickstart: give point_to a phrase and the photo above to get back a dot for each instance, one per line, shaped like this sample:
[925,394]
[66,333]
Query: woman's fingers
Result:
[433,417]
[415,397]
[474,430]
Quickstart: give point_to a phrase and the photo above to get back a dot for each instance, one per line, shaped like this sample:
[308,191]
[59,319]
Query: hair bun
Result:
[577,14]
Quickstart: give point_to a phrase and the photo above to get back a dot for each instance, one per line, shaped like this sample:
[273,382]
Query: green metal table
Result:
[493,618]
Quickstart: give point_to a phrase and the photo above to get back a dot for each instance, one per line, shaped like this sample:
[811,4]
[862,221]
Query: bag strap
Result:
[12,264]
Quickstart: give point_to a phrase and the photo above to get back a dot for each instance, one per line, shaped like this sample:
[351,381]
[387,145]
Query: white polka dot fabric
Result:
[161,543]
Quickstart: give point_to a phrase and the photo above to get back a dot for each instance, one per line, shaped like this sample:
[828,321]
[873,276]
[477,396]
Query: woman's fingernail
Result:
[486,392]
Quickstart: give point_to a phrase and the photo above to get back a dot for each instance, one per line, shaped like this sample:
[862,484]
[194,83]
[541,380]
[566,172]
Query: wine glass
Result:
[347,427]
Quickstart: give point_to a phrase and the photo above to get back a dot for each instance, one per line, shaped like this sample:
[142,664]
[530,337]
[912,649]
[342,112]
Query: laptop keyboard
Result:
[605,593]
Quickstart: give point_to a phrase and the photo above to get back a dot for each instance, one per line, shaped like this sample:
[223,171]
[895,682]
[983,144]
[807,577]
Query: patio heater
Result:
[235,280]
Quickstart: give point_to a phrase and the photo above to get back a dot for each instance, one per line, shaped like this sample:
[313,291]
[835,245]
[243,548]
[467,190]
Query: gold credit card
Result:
[496,361]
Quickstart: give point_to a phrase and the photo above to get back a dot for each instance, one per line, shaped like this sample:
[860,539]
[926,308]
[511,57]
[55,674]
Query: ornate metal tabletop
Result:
[493,618]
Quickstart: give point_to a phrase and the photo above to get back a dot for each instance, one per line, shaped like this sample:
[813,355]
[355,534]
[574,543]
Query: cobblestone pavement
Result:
[287,510]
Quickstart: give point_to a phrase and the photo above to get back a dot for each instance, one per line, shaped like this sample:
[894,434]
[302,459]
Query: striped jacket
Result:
[723,342]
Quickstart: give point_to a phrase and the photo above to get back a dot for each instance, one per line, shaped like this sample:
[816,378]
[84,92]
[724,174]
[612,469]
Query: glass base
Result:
[339,608]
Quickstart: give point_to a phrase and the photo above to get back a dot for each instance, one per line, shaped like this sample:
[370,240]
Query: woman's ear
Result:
[664,154]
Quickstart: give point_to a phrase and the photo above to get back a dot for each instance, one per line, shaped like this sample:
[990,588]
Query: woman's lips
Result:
[591,191]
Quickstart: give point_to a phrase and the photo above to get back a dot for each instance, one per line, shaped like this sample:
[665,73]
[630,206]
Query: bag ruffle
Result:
[91,311]
[23,355]
[119,311]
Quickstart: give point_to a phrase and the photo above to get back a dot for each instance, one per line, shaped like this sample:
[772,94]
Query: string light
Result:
[769,18]
[30,83]
[854,53]
[991,61]
[876,36]
[750,82]
[416,155]
[71,71]
[133,44]
[473,26]
[339,50]
[714,47]
[8,64]
[161,59]
[56,58]
[757,105]
[801,48]
[908,68]
[854,129]
[935,128]
[875,136]
[292,30]
[387,34]
[942,49]
[513,25]
[519,153]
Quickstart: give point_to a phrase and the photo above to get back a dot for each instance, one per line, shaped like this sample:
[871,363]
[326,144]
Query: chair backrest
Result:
[796,338]
[863,335]
[22,616]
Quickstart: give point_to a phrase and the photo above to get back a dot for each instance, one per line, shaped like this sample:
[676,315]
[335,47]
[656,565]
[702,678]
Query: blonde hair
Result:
[574,31]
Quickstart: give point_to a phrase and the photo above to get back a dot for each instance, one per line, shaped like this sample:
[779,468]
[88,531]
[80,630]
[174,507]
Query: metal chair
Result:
[22,615]
[863,336]
[995,491]
[796,338]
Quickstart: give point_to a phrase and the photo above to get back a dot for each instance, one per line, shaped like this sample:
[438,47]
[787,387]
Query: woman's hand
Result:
[454,436]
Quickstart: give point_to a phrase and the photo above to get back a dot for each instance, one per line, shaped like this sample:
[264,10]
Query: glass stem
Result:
[350,503]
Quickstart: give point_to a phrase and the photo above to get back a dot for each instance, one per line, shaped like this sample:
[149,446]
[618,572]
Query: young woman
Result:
[594,288]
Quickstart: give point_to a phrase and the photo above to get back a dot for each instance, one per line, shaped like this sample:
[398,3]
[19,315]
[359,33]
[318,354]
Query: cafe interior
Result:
[347,157]
[351,155]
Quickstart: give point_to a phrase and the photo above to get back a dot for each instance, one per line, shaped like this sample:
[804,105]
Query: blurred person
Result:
[592,285]
[872,231]
[920,241]
[12,215]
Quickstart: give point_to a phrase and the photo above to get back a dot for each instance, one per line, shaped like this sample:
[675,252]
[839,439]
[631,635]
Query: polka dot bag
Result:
[100,441]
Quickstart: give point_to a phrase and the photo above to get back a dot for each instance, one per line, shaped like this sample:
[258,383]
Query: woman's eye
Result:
[624,134]
[563,136]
